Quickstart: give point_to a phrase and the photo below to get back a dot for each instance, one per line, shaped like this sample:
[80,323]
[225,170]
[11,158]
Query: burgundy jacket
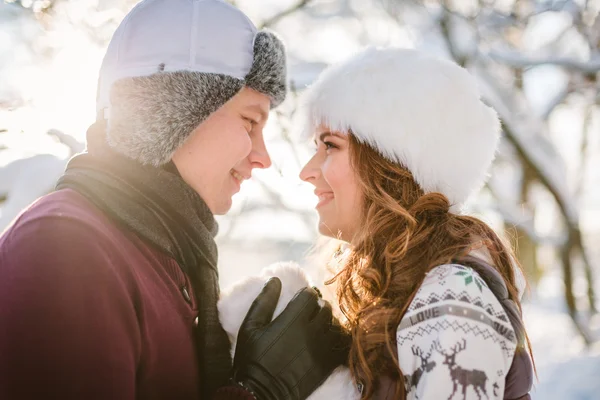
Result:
[89,311]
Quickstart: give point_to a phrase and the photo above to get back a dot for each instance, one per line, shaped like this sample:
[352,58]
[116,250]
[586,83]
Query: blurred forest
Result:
[538,64]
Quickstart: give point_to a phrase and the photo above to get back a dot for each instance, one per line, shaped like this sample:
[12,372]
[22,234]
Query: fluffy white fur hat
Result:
[422,112]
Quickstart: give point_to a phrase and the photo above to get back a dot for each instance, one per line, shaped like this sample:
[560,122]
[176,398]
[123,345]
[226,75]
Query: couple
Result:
[109,285]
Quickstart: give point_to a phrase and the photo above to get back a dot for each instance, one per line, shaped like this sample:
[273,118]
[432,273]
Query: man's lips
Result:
[238,176]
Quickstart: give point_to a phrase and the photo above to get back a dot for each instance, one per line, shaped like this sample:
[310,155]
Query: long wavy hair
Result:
[404,233]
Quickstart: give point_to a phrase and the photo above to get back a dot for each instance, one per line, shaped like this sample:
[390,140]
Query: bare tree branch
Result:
[512,214]
[566,206]
[516,60]
[282,14]
[584,149]
[555,102]
[586,156]
[444,23]
[569,296]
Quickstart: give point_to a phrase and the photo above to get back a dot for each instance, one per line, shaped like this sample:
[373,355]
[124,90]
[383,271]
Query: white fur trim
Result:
[420,111]
[236,300]
[338,386]
[235,303]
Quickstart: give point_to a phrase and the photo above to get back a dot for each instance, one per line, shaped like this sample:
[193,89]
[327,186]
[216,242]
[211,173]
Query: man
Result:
[108,286]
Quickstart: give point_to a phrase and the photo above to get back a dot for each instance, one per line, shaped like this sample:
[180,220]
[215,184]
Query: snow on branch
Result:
[275,18]
[517,60]
[534,151]
[513,214]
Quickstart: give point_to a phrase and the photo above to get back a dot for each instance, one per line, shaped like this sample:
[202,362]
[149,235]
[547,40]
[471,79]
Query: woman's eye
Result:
[329,145]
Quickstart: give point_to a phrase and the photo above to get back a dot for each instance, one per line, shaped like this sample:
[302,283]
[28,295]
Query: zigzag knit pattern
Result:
[462,296]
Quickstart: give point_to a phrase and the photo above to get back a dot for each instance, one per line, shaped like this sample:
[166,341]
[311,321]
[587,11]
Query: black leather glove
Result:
[288,358]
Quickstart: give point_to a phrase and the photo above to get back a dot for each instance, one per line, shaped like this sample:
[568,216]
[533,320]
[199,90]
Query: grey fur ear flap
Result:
[268,74]
[152,116]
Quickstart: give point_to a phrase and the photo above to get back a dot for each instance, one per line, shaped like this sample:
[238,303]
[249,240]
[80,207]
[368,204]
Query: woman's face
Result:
[336,186]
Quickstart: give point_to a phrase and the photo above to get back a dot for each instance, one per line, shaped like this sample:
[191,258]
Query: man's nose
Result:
[259,156]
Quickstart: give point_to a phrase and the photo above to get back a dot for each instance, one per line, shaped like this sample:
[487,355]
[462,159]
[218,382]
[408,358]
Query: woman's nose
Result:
[310,171]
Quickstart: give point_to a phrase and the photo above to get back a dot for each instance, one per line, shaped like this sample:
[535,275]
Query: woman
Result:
[431,295]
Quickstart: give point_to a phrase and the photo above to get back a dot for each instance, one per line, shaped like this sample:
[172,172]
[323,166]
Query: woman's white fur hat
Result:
[422,112]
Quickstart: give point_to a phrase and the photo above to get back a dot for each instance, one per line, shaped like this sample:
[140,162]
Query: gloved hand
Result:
[289,357]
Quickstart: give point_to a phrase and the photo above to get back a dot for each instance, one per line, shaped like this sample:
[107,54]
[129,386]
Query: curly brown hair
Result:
[404,234]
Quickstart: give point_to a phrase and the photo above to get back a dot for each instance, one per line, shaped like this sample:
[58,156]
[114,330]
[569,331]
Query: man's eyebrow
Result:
[259,110]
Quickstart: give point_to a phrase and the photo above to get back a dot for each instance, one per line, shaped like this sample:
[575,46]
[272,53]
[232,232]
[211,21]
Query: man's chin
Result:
[223,208]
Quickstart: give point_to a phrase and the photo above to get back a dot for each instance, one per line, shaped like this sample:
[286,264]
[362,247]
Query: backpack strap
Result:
[519,379]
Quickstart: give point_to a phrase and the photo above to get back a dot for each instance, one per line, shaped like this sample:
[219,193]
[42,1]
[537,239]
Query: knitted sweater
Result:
[455,340]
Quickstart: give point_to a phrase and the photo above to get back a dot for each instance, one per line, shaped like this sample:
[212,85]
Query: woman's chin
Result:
[332,232]
[325,230]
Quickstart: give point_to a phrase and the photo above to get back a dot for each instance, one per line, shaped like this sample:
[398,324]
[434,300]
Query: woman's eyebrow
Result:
[325,134]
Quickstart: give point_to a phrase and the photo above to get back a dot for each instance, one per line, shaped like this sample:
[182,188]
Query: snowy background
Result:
[538,64]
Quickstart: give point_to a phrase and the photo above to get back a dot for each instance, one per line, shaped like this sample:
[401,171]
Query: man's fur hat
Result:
[171,63]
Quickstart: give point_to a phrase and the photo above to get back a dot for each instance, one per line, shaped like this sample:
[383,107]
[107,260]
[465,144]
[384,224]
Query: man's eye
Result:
[250,122]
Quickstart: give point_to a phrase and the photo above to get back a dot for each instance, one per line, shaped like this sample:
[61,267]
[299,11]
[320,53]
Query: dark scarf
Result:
[158,206]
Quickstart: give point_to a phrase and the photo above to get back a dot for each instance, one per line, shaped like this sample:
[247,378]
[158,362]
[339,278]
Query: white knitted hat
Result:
[422,112]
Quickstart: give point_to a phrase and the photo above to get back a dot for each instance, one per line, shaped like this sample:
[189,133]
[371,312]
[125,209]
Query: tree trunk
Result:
[525,246]
[566,257]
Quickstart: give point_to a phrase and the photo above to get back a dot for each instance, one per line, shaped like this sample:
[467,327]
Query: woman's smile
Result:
[324,197]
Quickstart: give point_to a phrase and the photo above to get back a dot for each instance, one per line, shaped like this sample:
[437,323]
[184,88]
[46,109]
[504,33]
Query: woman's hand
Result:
[289,357]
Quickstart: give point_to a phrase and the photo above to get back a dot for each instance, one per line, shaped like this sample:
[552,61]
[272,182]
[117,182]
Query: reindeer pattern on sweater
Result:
[455,340]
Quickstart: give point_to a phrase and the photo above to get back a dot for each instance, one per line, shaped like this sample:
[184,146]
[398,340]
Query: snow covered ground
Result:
[566,369]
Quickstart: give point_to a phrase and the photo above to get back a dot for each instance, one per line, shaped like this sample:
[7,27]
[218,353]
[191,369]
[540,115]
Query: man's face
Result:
[224,149]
